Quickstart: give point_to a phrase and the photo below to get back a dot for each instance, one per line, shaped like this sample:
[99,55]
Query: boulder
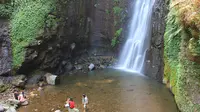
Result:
[13,102]
[57,111]
[34,80]
[51,79]
[11,109]
[91,67]
[19,80]
[24,103]
[1,108]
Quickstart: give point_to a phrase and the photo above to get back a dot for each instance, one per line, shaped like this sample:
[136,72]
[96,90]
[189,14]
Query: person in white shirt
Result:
[84,101]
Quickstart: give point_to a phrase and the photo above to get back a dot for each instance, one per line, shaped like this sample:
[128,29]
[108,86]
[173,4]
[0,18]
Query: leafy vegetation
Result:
[182,49]
[117,10]
[28,18]
[115,39]
[6,10]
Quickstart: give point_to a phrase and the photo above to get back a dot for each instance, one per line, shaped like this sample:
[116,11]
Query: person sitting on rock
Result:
[22,99]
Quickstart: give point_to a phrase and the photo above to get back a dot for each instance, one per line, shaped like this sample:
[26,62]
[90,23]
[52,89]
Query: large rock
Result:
[34,80]
[154,62]
[1,108]
[5,48]
[91,67]
[11,109]
[19,80]
[51,79]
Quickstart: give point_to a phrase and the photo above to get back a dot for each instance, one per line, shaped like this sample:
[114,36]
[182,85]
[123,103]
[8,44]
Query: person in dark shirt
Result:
[16,94]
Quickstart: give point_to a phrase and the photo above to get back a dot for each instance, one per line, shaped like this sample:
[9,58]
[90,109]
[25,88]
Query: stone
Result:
[13,102]
[78,67]
[41,84]
[102,67]
[91,67]
[34,80]
[1,108]
[19,80]
[57,111]
[68,66]
[11,109]
[24,103]
[51,79]
[5,48]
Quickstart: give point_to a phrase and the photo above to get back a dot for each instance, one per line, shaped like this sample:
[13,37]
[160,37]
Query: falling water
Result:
[134,51]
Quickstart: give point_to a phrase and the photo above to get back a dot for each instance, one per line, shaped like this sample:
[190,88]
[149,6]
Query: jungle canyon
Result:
[66,36]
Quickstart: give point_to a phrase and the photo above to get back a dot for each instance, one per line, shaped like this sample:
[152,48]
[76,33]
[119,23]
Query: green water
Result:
[108,91]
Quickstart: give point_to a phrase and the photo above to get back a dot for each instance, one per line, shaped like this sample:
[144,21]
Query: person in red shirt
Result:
[71,105]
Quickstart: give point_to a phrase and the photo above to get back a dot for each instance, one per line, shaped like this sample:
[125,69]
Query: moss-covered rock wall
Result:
[181,54]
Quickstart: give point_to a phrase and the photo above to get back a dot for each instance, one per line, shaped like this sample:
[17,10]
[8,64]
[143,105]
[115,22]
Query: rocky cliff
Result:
[181,54]
[5,48]
[64,34]
[154,62]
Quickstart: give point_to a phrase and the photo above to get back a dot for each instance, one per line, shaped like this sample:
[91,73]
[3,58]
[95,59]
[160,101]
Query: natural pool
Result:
[108,91]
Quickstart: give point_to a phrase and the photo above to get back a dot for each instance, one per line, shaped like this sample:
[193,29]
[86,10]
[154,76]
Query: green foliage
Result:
[26,21]
[117,10]
[182,75]
[5,10]
[115,39]
[107,11]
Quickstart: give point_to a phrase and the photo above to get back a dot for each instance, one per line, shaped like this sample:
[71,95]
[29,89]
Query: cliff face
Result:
[75,32]
[181,54]
[72,33]
[5,48]
[154,62]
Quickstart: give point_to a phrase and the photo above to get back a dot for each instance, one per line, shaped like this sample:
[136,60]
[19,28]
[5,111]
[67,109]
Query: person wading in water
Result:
[84,102]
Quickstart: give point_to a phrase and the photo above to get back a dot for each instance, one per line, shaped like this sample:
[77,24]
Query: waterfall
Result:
[132,57]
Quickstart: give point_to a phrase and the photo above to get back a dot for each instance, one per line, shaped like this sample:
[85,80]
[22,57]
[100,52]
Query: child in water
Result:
[84,101]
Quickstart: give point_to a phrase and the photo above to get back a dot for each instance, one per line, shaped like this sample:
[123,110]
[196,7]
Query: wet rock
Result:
[5,48]
[91,67]
[102,67]
[78,67]
[154,63]
[24,103]
[34,80]
[41,84]
[68,67]
[51,79]
[57,111]
[19,80]
[11,109]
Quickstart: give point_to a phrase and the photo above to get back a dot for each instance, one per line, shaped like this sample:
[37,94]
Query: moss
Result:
[26,22]
[181,73]
[3,88]
[115,39]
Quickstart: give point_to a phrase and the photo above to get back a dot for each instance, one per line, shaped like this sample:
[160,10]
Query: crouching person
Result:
[71,105]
